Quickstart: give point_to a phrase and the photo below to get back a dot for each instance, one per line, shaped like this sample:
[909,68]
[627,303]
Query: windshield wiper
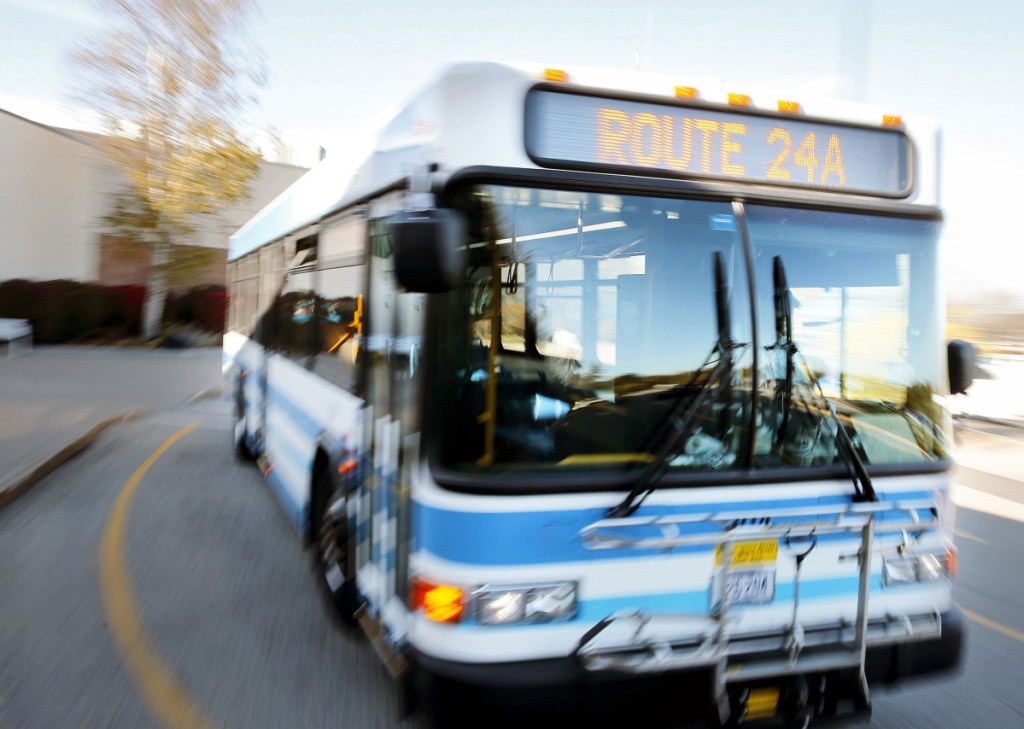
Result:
[683,426]
[784,343]
[864,490]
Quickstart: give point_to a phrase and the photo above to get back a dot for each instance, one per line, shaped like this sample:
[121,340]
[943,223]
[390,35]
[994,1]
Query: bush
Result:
[125,306]
[85,309]
[211,310]
[172,309]
[188,302]
[16,297]
[64,310]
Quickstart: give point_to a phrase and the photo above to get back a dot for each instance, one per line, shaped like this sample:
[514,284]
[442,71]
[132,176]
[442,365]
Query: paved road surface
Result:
[220,599]
[225,601]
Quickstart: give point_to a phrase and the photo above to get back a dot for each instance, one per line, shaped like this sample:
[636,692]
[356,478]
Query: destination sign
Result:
[590,132]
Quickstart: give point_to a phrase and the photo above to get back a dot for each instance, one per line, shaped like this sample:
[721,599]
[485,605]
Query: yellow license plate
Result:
[762,703]
[749,553]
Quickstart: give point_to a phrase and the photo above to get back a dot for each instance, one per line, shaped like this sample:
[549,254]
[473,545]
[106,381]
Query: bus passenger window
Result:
[340,322]
[296,316]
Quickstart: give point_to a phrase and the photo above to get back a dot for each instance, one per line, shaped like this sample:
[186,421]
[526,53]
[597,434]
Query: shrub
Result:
[85,309]
[172,308]
[49,307]
[211,310]
[187,313]
[63,310]
[16,297]
[126,307]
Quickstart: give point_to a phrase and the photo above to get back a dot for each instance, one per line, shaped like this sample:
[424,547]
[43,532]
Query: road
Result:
[171,591]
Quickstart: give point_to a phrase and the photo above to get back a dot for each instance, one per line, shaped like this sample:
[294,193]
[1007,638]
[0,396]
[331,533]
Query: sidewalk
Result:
[54,400]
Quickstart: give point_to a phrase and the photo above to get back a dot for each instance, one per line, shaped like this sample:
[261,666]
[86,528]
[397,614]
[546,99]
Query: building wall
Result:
[123,261]
[55,189]
[48,205]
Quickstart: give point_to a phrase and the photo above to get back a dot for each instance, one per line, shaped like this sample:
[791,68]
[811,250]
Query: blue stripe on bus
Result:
[545,537]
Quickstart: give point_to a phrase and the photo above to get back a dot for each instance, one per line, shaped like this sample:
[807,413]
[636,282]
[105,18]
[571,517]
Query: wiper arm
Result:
[683,427]
[670,446]
[783,342]
[863,488]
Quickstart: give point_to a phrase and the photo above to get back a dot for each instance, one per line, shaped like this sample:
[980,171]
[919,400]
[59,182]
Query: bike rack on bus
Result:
[798,650]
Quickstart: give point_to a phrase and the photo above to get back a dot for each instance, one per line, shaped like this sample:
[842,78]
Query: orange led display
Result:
[680,140]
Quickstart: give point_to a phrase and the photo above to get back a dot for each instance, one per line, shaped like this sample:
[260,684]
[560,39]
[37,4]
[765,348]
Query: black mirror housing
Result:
[961,365]
[429,249]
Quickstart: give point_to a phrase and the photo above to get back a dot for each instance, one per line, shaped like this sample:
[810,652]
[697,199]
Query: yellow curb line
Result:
[993,625]
[165,698]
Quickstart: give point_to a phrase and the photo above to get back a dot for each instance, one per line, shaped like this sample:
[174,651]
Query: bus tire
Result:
[241,427]
[333,562]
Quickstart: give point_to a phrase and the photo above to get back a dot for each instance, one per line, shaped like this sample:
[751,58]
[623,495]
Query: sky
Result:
[339,69]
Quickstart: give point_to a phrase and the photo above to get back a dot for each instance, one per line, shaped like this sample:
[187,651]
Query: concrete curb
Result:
[22,481]
[209,392]
[33,474]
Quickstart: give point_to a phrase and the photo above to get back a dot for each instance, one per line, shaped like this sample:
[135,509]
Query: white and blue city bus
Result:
[602,380]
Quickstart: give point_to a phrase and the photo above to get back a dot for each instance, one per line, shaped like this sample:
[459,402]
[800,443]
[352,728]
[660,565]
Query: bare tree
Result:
[172,81]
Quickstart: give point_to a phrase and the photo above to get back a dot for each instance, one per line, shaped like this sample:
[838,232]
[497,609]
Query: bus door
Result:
[394,323]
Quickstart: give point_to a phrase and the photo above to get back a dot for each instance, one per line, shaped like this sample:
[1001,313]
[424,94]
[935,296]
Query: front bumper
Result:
[566,679]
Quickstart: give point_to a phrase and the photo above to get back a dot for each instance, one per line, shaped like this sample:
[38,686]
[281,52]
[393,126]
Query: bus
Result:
[602,383]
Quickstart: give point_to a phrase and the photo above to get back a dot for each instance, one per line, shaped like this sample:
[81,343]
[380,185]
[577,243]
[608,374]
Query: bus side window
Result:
[340,323]
[297,316]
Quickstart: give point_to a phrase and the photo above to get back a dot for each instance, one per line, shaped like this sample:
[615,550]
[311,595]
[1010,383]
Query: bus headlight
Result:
[505,605]
[914,568]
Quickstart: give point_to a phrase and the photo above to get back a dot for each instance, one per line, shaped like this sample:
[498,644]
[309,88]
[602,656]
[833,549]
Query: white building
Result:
[55,190]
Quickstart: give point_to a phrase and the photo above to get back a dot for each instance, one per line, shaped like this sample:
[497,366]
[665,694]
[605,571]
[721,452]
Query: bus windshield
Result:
[603,331]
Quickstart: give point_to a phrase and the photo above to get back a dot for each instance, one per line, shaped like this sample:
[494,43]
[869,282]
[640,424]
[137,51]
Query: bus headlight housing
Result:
[914,568]
[509,605]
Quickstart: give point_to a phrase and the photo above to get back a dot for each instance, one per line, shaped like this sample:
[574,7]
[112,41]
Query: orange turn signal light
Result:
[555,74]
[740,100]
[686,92]
[440,603]
[789,107]
[952,561]
[892,120]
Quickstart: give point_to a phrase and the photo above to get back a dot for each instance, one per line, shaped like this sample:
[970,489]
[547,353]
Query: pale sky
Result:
[337,69]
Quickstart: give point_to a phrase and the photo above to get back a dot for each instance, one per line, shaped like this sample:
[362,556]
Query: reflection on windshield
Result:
[586,327]
[865,323]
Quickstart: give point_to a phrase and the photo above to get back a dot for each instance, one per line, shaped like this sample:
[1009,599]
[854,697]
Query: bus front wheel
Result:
[241,430]
[334,567]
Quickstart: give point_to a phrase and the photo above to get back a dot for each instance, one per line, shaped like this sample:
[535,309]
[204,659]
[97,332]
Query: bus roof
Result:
[472,114]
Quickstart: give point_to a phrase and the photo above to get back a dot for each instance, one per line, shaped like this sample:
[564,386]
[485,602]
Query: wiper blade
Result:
[683,426]
[863,488]
[784,343]
[683,429]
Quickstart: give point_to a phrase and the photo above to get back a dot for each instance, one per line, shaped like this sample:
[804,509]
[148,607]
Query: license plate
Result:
[749,577]
[750,586]
[749,553]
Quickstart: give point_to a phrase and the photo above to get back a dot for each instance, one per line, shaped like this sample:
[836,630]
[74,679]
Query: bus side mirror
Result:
[429,249]
[961,366]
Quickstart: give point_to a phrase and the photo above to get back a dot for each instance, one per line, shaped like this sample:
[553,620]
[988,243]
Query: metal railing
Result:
[797,649]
